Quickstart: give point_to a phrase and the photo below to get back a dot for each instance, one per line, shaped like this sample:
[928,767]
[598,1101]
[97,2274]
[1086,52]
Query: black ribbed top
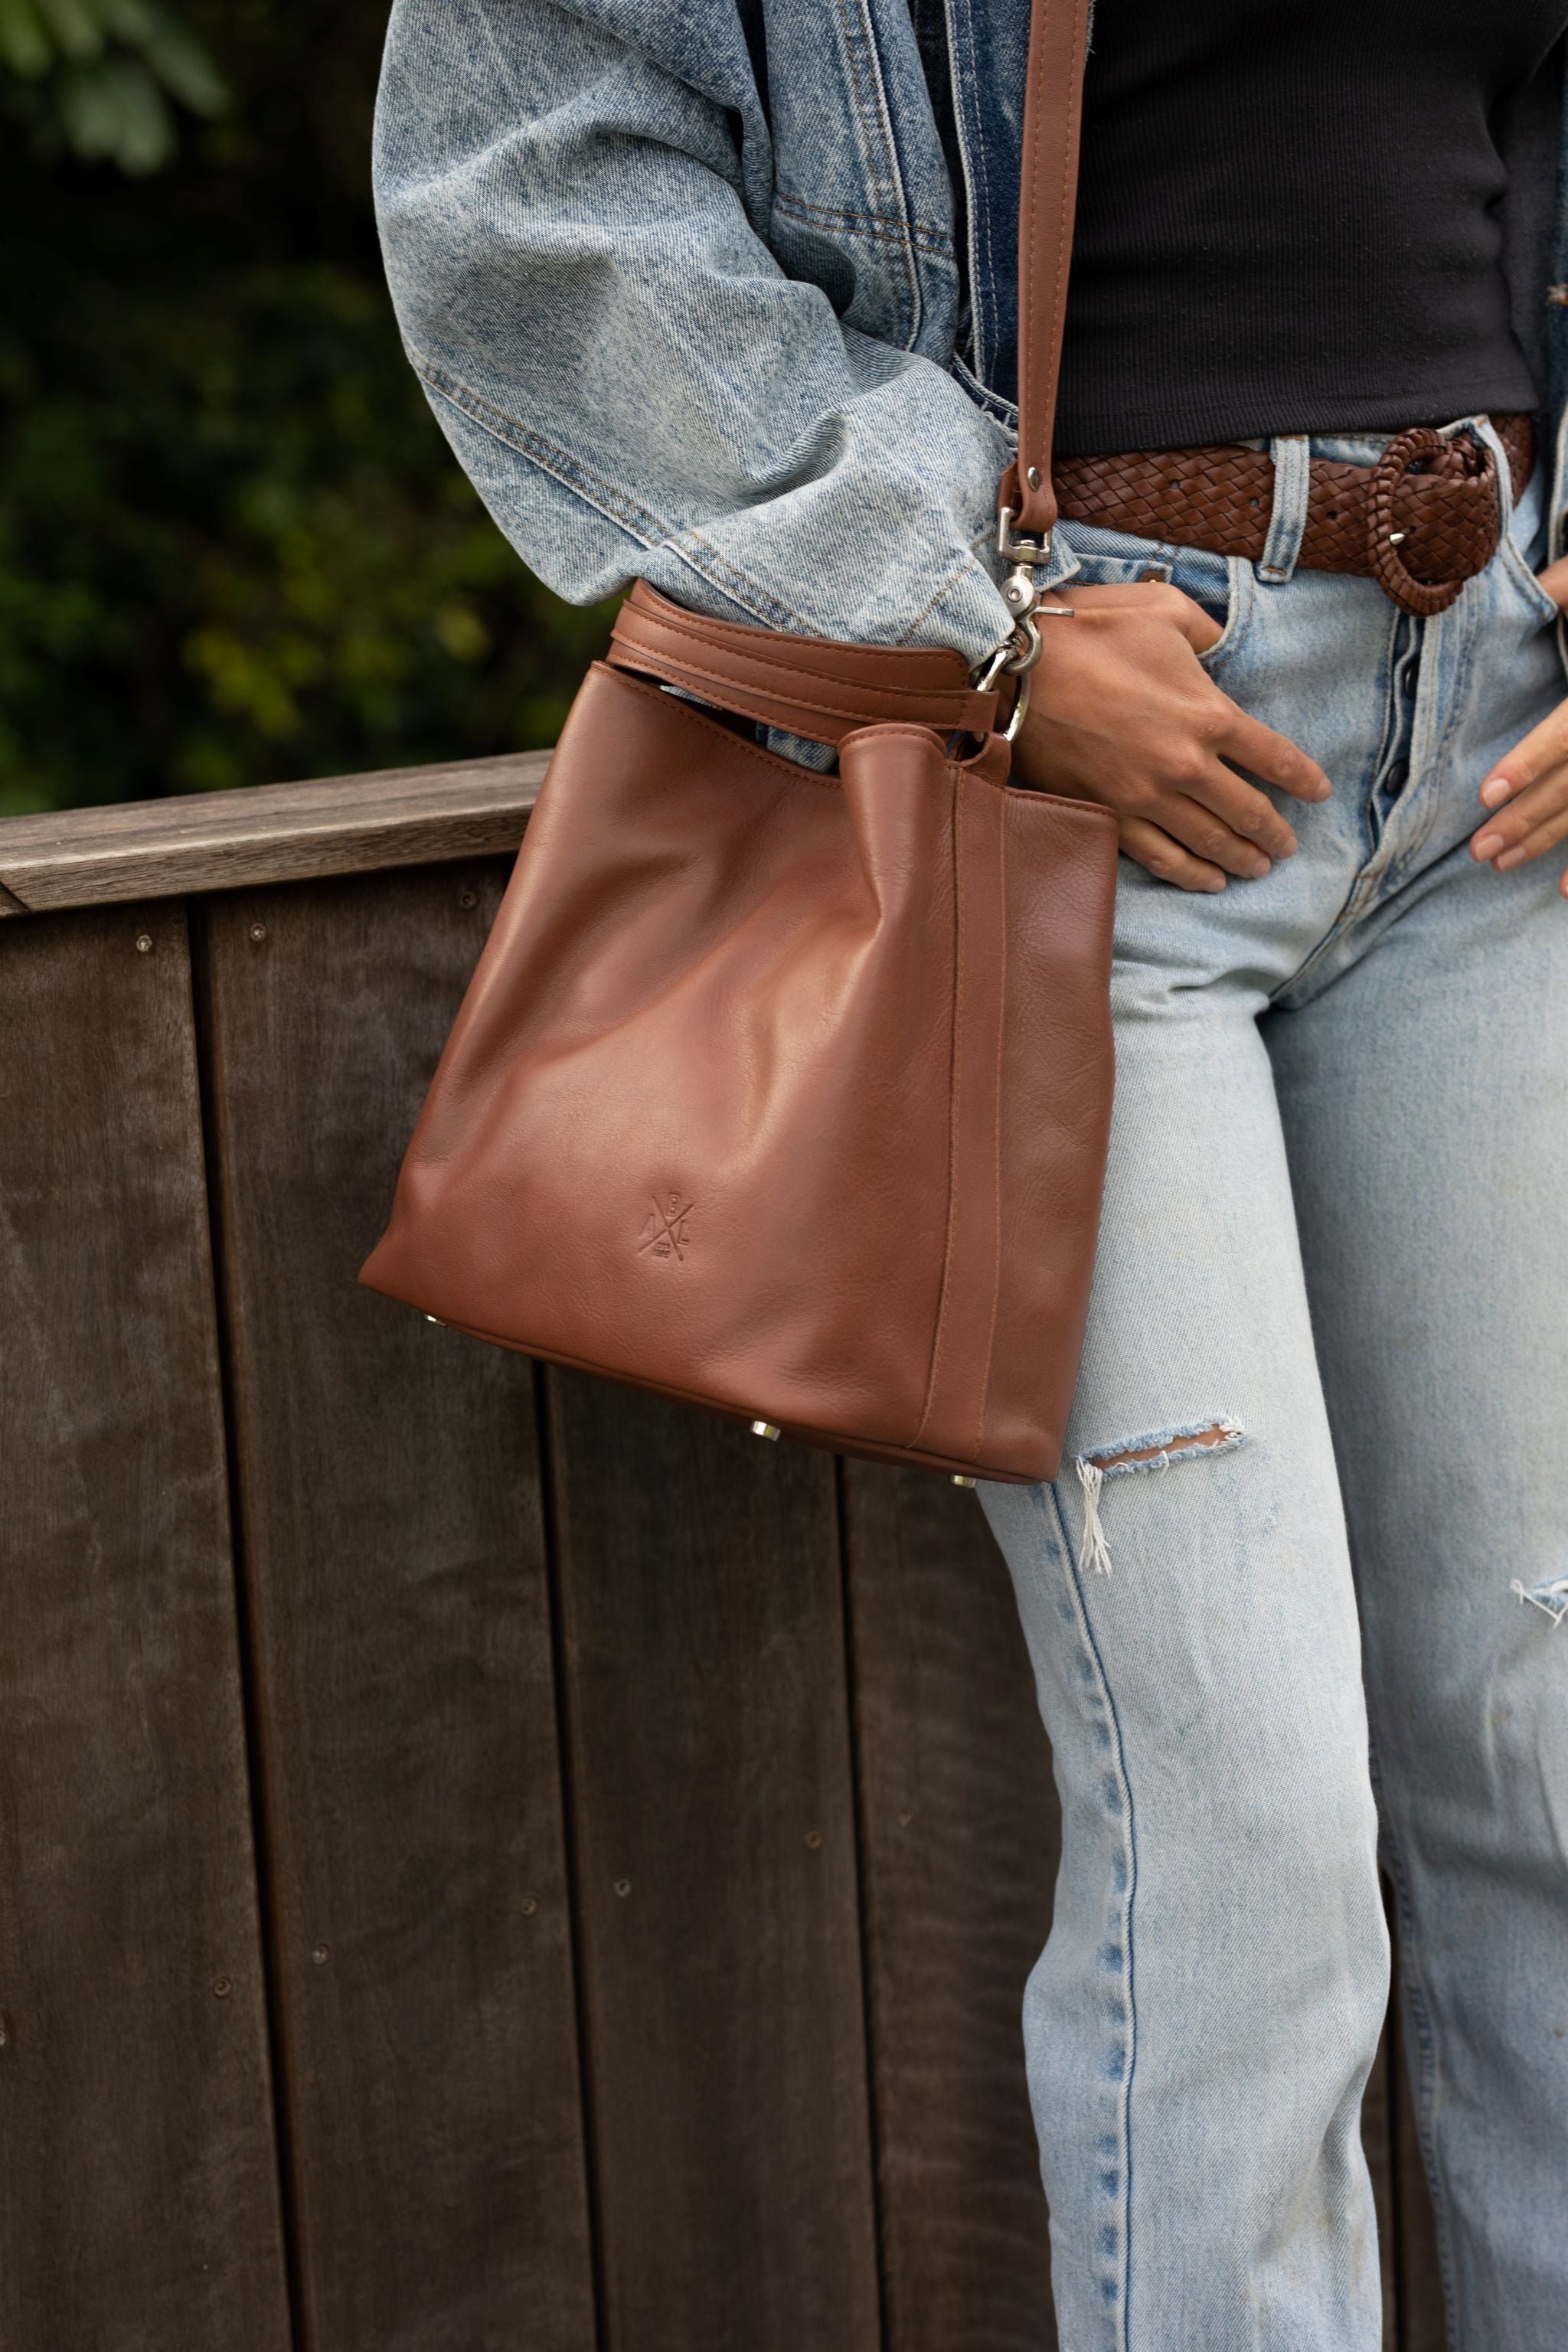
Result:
[1288,218]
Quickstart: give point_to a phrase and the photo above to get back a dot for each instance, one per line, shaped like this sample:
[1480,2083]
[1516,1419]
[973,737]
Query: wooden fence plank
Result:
[961,1833]
[266,833]
[394,1563]
[138,2175]
[701,1612]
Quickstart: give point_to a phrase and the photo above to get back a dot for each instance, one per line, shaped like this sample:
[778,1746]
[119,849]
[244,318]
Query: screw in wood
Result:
[529,1907]
[258,932]
[143,942]
[321,1955]
[468,899]
[814,1837]
[623,1886]
[222,1986]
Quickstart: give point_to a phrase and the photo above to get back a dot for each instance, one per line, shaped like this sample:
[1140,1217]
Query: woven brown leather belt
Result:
[1422,521]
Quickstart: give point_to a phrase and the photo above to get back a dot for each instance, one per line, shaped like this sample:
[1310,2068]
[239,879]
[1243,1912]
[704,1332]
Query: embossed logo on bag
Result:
[664,1233]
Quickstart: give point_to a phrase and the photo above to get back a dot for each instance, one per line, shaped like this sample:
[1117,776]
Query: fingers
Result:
[1155,598]
[1543,747]
[1555,580]
[1166,859]
[1502,838]
[1536,821]
[1528,794]
[1543,837]
[1200,628]
[1213,841]
[1240,808]
[1274,758]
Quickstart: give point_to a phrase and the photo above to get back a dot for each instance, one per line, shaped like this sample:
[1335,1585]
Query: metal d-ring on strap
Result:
[1019,651]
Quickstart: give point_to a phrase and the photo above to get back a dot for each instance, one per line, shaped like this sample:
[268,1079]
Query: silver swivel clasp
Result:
[1019,651]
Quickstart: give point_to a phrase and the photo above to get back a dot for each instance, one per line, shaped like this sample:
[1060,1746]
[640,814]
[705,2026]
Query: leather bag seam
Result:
[957,782]
[996,1145]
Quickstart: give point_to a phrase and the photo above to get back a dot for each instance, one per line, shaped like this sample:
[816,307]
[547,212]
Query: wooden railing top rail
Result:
[266,833]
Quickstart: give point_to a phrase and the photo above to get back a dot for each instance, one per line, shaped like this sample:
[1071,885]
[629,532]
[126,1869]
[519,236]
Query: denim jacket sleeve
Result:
[573,202]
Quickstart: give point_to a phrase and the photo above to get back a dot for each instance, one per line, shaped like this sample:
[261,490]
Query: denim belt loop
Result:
[1487,434]
[1293,456]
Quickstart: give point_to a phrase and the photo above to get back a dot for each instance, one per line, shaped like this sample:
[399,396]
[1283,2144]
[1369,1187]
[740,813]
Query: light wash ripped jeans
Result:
[1335,1231]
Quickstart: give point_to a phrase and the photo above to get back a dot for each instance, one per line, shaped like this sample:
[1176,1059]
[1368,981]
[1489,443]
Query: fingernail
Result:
[1494,791]
[1487,845]
[1288,850]
[1216,886]
[1258,870]
[1511,857]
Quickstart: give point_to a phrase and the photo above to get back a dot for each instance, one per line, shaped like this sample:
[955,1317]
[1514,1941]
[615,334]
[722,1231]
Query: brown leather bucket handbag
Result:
[788,1093]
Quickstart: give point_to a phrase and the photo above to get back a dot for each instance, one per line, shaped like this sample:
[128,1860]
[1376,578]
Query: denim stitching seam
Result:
[886,230]
[603,497]
[592,489]
[1426,2084]
[961,572]
[880,153]
[972,150]
[1131,1843]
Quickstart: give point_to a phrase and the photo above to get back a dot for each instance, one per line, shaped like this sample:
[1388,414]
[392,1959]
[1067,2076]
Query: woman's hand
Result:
[1529,788]
[1122,712]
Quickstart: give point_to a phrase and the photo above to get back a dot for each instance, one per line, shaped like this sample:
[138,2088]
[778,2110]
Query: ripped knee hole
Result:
[1157,1452]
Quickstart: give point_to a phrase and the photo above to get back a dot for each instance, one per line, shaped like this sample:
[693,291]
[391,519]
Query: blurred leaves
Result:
[101,78]
[233,545]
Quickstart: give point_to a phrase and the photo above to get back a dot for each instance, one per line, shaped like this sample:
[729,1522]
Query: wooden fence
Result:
[489,1862]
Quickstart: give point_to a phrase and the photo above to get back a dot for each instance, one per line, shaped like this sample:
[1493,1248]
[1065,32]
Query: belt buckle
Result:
[1389,569]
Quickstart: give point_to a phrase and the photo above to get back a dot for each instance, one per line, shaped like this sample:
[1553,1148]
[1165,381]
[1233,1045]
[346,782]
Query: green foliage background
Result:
[234,546]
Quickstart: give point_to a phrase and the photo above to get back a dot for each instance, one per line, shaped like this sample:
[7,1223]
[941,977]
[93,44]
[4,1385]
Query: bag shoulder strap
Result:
[1048,203]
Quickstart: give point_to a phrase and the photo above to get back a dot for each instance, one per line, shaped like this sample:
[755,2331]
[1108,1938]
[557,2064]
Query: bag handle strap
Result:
[1048,203]
[812,685]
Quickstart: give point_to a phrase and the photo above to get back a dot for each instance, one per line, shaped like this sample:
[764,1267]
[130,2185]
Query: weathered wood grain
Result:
[266,833]
[716,1865]
[394,1567]
[961,1832]
[138,2176]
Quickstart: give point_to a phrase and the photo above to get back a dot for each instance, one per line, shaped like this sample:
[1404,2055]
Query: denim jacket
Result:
[722,292]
